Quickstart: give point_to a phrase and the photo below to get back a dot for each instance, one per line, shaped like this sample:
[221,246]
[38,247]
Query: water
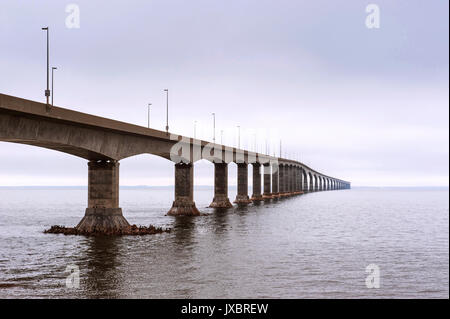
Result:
[311,246]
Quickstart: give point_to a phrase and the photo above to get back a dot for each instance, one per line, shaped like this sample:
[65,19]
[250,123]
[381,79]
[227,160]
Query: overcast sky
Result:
[366,105]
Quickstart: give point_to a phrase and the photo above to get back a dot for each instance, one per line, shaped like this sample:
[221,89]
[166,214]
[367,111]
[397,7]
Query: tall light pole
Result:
[47,91]
[148,115]
[280,148]
[214,127]
[53,92]
[167,110]
[195,129]
[221,137]
[239,137]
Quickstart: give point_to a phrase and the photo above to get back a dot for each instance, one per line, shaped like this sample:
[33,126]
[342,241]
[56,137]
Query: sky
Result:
[367,105]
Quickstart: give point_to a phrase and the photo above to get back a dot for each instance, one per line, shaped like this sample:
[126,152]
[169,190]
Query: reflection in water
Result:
[183,228]
[220,219]
[101,277]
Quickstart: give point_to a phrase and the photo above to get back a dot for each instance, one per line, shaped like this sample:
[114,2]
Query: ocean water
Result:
[316,245]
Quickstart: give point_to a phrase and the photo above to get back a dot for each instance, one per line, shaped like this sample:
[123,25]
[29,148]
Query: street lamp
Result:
[53,92]
[239,137]
[148,115]
[47,91]
[167,110]
[195,129]
[221,137]
[214,127]
[280,148]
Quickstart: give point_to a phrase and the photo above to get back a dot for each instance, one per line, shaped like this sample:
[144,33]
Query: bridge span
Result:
[104,142]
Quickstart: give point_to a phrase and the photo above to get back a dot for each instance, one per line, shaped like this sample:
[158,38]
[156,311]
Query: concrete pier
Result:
[267,178]
[256,196]
[103,214]
[281,180]
[298,180]
[304,181]
[294,180]
[242,184]
[275,181]
[221,199]
[289,180]
[286,180]
[184,191]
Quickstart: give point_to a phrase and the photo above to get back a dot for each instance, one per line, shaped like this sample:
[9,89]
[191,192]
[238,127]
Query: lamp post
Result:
[221,137]
[195,129]
[239,137]
[280,148]
[47,91]
[167,110]
[148,115]
[53,91]
[214,127]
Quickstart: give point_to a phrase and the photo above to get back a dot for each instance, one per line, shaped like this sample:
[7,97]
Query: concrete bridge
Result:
[104,142]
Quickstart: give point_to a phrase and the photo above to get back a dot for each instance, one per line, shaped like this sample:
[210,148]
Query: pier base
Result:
[184,204]
[221,199]
[103,214]
[103,220]
[256,196]
[242,199]
[242,185]
[183,207]
[266,181]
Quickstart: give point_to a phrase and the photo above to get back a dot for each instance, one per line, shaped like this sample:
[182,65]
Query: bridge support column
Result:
[256,196]
[290,180]
[221,186]
[184,191]
[275,184]
[282,180]
[297,180]
[242,184]
[294,180]
[267,177]
[103,214]
[302,180]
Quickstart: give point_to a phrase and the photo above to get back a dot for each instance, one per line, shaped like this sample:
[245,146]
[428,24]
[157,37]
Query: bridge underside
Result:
[82,141]
[68,149]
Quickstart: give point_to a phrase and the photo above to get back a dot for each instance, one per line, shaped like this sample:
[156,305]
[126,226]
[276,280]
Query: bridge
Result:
[104,142]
